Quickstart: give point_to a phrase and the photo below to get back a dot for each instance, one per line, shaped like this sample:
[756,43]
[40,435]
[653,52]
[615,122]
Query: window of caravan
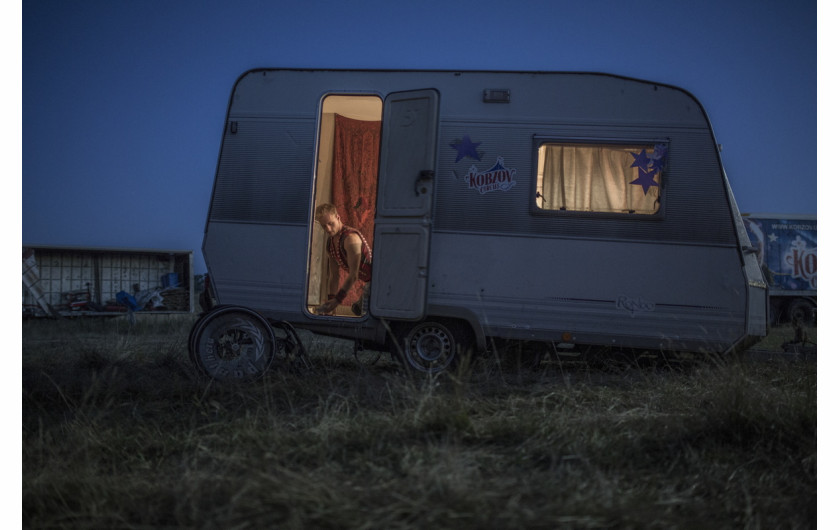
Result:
[611,178]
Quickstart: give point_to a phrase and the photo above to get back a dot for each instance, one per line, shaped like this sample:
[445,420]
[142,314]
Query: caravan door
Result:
[404,204]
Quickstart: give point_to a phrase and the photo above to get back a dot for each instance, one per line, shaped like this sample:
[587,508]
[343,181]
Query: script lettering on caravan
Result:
[497,178]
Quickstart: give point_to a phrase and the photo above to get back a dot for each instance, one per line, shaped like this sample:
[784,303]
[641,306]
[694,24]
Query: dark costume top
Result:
[339,254]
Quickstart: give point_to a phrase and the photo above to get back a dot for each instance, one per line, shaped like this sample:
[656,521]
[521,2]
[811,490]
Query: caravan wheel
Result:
[432,346]
[232,344]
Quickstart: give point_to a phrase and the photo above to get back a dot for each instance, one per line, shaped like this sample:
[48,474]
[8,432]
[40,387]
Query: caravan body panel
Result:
[488,245]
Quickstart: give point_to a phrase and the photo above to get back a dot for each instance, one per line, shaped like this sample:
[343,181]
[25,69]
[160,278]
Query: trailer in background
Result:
[77,281]
[786,246]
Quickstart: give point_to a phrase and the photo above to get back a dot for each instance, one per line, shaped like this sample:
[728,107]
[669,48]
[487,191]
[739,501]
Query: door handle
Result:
[424,182]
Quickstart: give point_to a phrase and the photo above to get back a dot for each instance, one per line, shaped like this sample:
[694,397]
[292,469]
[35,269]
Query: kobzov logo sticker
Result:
[497,177]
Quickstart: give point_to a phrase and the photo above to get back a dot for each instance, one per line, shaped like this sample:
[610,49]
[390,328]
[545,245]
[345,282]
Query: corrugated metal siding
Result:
[695,208]
[265,171]
[262,264]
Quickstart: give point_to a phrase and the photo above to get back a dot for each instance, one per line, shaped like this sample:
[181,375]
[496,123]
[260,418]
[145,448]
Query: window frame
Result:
[540,140]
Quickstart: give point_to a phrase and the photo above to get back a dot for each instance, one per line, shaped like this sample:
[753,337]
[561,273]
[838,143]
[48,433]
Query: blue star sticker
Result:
[660,153]
[642,160]
[645,179]
[466,147]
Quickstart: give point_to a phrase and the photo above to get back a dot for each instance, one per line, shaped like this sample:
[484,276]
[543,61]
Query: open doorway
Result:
[346,176]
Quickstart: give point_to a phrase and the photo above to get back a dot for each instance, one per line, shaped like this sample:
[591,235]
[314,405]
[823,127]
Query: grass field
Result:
[120,432]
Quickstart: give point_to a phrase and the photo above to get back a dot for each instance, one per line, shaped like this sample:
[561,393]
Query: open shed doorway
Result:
[346,176]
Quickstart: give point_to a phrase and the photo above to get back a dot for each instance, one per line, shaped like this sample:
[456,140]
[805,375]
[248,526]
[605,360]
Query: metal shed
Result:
[76,281]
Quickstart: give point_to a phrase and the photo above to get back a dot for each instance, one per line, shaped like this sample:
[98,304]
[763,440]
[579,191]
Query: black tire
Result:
[801,310]
[433,346]
[232,344]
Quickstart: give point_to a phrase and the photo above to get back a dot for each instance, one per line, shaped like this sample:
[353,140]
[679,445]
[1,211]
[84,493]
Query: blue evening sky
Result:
[124,101]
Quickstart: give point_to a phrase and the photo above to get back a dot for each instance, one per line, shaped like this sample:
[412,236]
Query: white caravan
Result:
[571,210]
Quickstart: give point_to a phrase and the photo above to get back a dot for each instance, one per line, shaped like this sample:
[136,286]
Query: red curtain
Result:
[355,173]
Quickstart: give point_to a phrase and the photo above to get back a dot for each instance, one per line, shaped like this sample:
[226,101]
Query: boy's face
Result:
[330,222]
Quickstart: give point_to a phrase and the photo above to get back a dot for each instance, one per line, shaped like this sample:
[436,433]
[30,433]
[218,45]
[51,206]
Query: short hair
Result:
[324,209]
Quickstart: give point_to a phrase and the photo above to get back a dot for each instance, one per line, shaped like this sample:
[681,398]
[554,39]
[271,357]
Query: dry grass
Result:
[120,432]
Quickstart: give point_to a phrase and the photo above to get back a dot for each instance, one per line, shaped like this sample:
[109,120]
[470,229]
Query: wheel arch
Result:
[466,316]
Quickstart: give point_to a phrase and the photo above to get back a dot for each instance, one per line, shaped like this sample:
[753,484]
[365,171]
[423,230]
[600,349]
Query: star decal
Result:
[772,238]
[646,179]
[642,161]
[649,166]
[660,152]
[466,147]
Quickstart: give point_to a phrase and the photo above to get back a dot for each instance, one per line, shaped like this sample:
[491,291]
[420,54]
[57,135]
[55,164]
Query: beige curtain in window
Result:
[593,178]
